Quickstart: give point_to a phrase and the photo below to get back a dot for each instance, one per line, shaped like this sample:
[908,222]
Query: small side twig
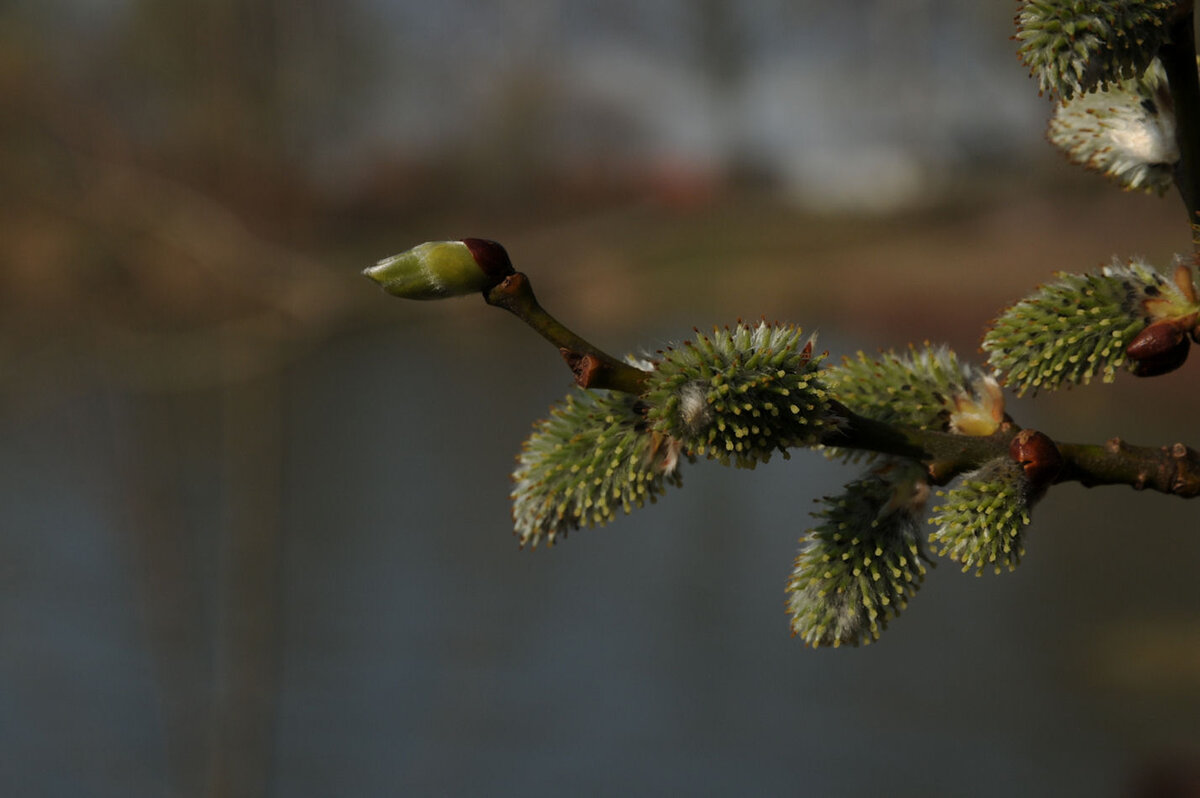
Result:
[592,367]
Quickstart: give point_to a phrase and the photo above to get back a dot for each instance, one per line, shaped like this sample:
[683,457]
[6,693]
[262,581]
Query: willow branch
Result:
[1168,469]
[946,454]
[592,367]
[1172,469]
[1178,58]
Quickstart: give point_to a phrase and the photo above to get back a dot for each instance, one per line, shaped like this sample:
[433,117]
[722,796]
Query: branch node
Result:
[942,471]
[583,366]
[1038,457]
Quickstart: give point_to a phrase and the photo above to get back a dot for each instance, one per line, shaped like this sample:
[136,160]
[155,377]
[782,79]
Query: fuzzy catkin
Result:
[740,394]
[594,455]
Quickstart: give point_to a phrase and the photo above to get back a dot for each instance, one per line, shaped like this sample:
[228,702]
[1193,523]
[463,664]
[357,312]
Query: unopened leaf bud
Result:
[440,269]
[1160,348]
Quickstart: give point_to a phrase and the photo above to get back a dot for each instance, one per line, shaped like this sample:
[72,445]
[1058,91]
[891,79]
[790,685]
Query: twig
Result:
[1168,469]
[592,367]
[1174,470]
[1171,469]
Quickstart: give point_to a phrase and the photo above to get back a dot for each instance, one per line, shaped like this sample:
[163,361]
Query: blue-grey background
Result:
[254,533]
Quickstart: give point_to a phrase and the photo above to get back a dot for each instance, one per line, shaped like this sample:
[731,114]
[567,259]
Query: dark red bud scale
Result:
[1038,456]
[491,257]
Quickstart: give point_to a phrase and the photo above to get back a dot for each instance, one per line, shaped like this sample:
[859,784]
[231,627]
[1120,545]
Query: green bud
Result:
[440,269]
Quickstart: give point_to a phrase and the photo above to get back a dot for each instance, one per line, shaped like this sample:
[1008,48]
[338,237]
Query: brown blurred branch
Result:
[1178,58]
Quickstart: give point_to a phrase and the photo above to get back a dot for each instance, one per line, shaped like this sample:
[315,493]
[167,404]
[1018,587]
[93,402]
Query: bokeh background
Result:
[254,532]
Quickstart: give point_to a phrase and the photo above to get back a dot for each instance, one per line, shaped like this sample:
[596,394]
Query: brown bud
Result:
[1038,456]
[1155,340]
[1160,348]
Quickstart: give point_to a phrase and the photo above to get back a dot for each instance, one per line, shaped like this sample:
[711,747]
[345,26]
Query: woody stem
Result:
[1173,470]
[592,367]
[1168,469]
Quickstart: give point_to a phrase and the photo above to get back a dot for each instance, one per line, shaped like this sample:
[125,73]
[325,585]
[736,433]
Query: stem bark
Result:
[592,367]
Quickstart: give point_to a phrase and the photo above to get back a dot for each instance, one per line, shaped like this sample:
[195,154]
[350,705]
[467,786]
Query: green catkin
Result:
[922,388]
[857,569]
[1078,327]
[739,395]
[981,522]
[1126,132]
[593,456]
[1073,47]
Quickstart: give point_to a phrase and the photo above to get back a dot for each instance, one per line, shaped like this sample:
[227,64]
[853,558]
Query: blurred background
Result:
[254,525]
